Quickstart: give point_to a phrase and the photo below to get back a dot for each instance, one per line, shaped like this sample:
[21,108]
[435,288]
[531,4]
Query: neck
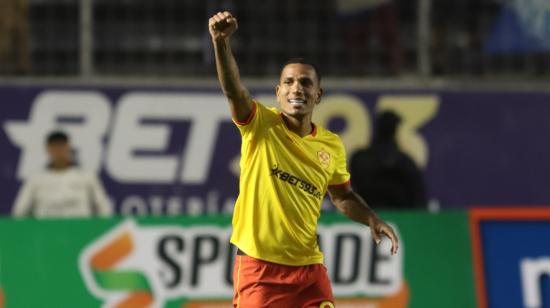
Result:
[59,166]
[301,126]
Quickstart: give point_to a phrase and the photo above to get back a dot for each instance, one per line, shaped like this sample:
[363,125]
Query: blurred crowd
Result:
[352,38]
[14,37]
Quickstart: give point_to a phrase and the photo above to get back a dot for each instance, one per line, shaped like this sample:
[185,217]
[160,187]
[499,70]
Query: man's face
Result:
[59,153]
[298,91]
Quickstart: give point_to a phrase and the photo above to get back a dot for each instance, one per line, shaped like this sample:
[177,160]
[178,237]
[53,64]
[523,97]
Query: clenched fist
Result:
[222,25]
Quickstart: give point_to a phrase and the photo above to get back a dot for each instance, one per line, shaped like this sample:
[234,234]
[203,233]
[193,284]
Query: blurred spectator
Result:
[362,19]
[385,176]
[63,190]
[456,35]
[14,37]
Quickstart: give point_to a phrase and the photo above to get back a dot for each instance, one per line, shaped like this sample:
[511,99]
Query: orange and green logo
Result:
[133,266]
[103,269]
[103,264]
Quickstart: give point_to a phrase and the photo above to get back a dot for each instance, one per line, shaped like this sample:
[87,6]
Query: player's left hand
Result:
[378,228]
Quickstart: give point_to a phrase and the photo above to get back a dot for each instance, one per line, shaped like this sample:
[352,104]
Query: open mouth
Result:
[297,101]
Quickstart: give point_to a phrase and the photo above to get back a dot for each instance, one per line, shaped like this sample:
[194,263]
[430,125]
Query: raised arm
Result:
[353,206]
[221,27]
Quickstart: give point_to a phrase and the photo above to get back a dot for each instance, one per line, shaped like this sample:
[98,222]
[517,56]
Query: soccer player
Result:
[287,165]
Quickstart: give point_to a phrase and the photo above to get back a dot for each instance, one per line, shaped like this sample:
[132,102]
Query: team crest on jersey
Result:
[324,158]
[326,304]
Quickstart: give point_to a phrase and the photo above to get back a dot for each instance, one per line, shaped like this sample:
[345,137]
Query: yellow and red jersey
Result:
[284,178]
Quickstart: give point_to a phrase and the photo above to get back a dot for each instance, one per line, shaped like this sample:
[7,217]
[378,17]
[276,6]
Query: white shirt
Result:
[62,193]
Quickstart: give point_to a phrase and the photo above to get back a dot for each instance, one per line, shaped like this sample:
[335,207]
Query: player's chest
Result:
[309,155]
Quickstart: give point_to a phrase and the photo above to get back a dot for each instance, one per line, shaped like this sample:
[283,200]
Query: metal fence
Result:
[348,38]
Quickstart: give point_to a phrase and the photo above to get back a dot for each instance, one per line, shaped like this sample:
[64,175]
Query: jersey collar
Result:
[313,132]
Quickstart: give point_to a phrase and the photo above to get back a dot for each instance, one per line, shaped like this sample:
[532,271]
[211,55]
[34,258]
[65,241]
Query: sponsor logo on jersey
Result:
[303,185]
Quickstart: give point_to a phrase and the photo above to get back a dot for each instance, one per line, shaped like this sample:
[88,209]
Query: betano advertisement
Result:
[187,262]
[512,257]
[174,151]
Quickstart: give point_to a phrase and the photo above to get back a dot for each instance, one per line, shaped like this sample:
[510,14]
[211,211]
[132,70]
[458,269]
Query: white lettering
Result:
[130,134]
[88,113]
[133,205]
[531,272]
[195,206]
[174,206]
[377,275]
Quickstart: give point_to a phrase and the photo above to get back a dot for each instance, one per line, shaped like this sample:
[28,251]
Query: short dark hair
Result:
[57,136]
[299,60]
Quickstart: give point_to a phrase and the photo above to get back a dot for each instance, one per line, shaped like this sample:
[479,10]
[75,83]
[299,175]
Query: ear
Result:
[319,95]
[277,90]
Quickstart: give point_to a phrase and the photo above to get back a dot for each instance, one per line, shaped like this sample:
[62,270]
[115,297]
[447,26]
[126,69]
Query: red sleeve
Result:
[343,185]
[250,117]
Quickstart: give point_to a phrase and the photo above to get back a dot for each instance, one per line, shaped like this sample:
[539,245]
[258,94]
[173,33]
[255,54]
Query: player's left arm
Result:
[354,207]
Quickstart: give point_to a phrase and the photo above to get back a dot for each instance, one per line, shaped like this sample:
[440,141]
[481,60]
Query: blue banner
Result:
[522,26]
[512,259]
[175,151]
